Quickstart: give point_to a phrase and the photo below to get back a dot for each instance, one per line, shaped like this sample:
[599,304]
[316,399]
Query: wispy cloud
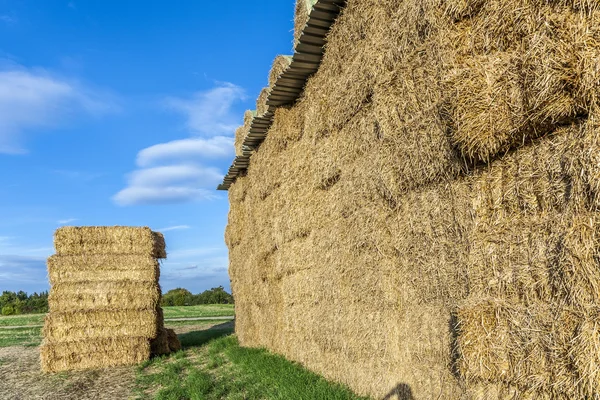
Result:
[212,267]
[186,149]
[33,99]
[169,184]
[174,228]
[209,112]
[66,221]
[167,174]
[23,273]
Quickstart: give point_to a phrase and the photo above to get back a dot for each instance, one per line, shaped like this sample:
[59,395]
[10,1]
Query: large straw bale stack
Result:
[104,298]
[426,215]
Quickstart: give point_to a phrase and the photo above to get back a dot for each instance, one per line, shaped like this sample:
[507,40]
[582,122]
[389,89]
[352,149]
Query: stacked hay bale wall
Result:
[425,218]
[104,299]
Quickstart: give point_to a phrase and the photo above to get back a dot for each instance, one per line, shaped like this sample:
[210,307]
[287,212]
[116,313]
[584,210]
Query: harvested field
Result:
[425,216]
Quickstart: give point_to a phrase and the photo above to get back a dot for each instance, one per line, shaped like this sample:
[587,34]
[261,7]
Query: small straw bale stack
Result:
[426,215]
[104,298]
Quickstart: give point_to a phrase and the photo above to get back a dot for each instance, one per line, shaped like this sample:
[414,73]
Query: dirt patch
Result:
[22,378]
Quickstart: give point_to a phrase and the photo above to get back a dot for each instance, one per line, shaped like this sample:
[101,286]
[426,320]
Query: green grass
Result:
[204,310]
[22,320]
[20,337]
[213,366]
[173,324]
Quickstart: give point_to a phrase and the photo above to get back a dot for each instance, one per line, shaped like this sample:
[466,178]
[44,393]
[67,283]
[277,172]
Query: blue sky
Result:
[123,113]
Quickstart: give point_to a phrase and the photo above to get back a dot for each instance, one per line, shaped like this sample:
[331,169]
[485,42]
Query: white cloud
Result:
[186,149]
[33,99]
[66,221]
[169,184]
[174,228]
[174,175]
[209,112]
[26,273]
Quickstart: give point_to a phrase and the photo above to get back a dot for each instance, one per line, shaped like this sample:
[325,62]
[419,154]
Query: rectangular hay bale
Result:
[96,353]
[109,295]
[100,324]
[102,267]
[72,240]
[537,348]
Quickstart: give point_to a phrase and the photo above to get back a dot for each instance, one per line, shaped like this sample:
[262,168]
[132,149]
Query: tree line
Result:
[183,297]
[13,303]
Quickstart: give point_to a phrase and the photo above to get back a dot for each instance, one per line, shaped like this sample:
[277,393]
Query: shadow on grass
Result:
[199,338]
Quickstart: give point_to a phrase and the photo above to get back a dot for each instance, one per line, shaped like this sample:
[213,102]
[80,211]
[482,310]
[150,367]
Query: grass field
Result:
[22,320]
[20,337]
[208,310]
[205,310]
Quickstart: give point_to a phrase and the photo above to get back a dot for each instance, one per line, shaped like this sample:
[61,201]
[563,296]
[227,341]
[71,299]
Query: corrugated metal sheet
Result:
[290,84]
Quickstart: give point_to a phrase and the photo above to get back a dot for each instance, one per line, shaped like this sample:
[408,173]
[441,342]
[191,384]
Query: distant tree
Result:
[216,295]
[7,298]
[8,310]
[177,297]
[20,303]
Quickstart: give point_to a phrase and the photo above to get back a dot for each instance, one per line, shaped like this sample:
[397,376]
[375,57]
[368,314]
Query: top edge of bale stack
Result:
[71,240]
[312,22]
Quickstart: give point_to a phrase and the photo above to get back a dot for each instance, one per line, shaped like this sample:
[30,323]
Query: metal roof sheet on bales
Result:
[290,84]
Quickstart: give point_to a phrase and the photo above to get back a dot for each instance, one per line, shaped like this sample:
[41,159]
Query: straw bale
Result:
[586,357]
[107,295]
[583,163]
[542,348]
[288,124]
[578,268]
[410,148]
[97,353]
[109,240]
[482,87]
[280,64]
[261,101]
[160,344]
[529,71]
[174,343]
[514,258]
[301,16]
[99,324]
[102,267]
[347,68]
